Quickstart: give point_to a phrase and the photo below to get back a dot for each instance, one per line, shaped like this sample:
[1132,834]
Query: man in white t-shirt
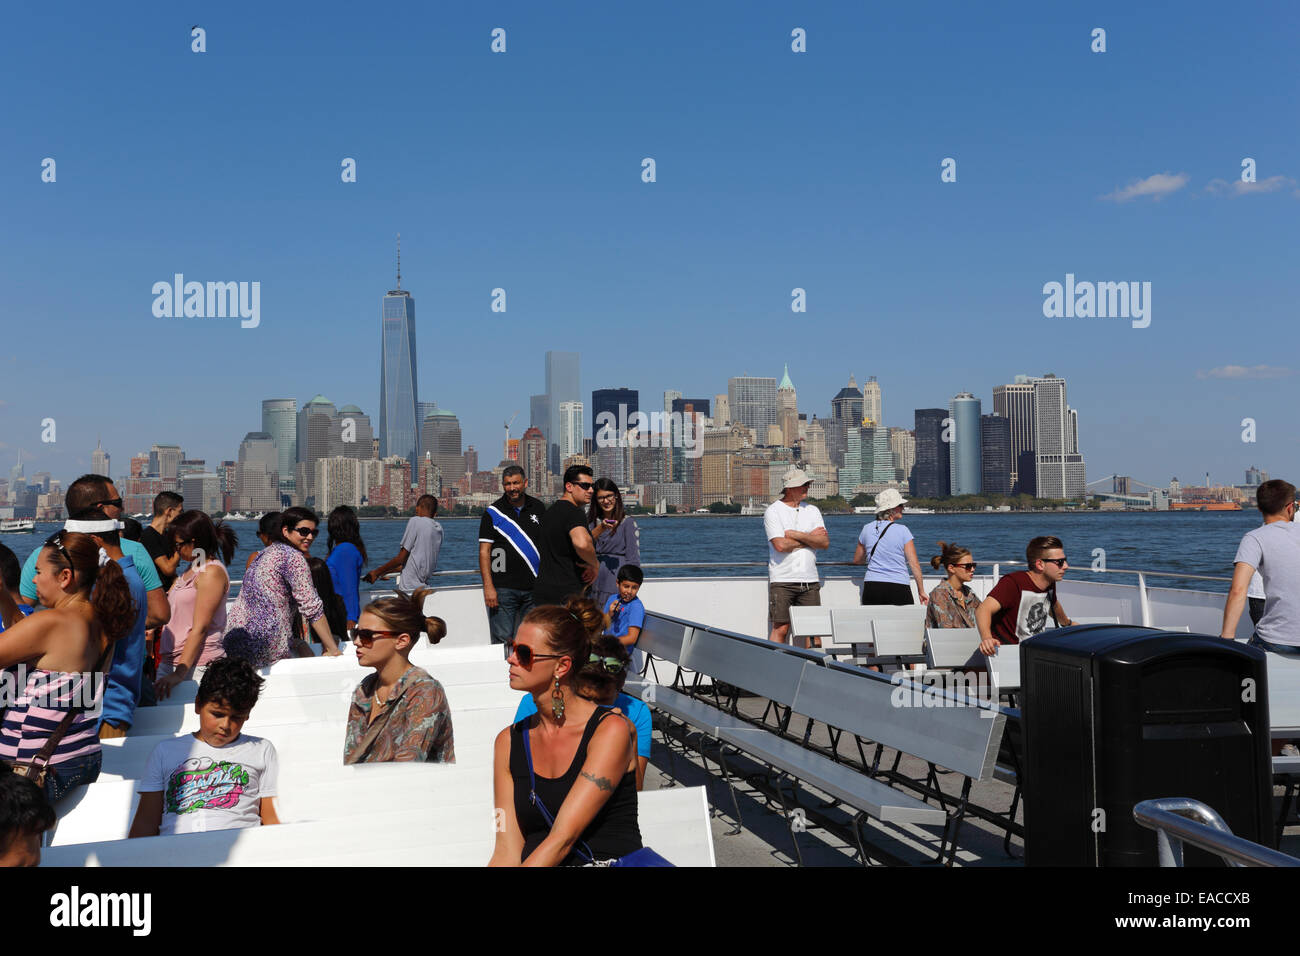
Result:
[794,530]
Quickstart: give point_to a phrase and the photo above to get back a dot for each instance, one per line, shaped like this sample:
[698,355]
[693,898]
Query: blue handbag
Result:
[642,857]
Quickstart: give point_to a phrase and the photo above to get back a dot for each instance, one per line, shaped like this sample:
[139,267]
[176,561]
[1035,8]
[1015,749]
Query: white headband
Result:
[91,527]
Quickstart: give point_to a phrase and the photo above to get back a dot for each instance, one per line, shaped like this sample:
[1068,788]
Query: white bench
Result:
[674,822]
[953,648]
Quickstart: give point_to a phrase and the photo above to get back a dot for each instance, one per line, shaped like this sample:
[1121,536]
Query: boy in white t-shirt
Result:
[216,778]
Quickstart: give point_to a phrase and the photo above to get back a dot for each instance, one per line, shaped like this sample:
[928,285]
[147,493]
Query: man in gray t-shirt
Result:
[418,557]
[1274,551]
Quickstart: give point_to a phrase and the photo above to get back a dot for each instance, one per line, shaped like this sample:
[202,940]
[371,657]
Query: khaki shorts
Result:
[783,596]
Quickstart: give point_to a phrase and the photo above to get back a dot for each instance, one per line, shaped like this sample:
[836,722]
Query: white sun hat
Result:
[888,500]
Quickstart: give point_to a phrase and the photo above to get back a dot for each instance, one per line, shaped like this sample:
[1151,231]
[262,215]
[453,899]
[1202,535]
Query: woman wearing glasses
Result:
[952,602]
[399,712]
[260,625]
[617,539]
[192,638]
[566,776]
[65,649]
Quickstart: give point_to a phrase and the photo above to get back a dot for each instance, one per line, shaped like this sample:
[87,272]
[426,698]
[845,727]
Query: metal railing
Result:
[1179,820]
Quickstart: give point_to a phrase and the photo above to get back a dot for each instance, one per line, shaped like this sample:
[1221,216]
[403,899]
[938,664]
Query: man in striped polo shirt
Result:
[508,556]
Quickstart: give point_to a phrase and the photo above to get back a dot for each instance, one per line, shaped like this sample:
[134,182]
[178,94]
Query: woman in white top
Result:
[887,549]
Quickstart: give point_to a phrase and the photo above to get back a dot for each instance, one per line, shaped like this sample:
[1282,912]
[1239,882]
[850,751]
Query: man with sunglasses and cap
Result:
[1023,604]
[568,552]
[794,530]
[94,507]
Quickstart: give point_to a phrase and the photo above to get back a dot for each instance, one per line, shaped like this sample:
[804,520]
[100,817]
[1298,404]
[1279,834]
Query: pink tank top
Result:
[182,597]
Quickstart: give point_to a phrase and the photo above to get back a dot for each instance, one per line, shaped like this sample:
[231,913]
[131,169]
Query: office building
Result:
[995,455]
[964,448]
[562,385]
[441,438]
[617,404]
[569,430]
[873,403]
[280,421]
[399,429]
[902,448]
[1015,403]
[1060,471]
[100,461]
[256,479]
[930,474]
[787,410]
[752,400]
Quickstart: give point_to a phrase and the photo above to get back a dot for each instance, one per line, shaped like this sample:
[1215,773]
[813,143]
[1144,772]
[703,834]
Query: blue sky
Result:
[775,170]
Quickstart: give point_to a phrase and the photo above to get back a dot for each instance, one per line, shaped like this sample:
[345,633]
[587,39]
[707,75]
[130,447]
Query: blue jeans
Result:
[61,779]
[1285,650]
[503,620]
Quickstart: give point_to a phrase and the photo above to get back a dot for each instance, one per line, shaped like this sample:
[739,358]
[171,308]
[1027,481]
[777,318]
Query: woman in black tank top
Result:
[584,755]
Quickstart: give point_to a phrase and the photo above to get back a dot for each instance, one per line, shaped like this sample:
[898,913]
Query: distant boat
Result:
[17,526]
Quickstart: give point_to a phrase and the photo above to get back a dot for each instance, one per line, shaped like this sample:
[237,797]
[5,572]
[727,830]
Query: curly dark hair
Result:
[23,808]
[232,681]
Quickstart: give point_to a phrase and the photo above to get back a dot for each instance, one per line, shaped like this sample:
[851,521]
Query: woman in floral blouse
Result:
[953,603]
[399,712]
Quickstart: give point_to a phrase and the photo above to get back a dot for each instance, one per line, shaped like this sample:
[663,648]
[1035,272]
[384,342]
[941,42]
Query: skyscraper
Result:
[787,405]
[441,438]
[721,410]
[313,440]
[532,459]
[1060,471]
[1015,403]
[847,407]
[256,480]
[280,421]
[350,434]
[995,455]
[562,385]
[100,460]
[607,401]
[902,447]
[569,431]
[399,431]
[930,477]
[753,403]
[873,403]
[964,450]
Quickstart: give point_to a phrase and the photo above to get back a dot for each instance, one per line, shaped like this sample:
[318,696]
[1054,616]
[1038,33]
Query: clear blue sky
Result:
[776,170]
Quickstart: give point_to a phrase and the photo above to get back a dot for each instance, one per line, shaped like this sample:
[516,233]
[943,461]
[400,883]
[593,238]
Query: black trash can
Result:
[1114,715]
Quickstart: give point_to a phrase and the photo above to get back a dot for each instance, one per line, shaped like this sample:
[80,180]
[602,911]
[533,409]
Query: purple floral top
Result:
[259,627]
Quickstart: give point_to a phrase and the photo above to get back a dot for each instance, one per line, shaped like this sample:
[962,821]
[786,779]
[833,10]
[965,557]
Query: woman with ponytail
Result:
[564,778]
[399,712]
[64,652]
[953,603]
[192,638]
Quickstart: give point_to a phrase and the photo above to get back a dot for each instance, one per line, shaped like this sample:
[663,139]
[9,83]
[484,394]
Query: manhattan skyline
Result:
[775,171]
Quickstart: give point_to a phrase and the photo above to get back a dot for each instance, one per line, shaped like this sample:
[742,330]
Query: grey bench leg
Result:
[731,787]
[789,823]
[1011,822]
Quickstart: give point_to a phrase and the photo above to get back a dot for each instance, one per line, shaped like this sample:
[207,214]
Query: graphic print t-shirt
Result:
[1026,609]
[211,788]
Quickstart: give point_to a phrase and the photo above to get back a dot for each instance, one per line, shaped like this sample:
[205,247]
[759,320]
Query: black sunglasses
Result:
[585,485]
[969,565]
[524,654]
[366,637]
[55,541]
[115,502]
[1059,562]
[307,532]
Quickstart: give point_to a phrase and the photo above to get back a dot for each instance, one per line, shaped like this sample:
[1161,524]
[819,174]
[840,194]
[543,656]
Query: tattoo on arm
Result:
[601,782]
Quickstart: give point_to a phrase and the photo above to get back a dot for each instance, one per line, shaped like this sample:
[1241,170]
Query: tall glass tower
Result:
[399,432]
[280,421]
[964,463]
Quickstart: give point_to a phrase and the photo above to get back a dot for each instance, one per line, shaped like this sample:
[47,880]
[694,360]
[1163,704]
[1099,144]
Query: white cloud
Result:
[1245,372]
[1157,187]
[1221,187]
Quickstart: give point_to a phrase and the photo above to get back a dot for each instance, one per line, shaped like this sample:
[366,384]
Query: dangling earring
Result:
[557,701]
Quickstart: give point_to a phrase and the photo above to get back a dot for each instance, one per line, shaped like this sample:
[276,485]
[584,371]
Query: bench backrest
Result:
[1095,620]
[895,638]
[810,621]
[953,647]
[664,637]
[961,738]
[1004,668]
[763,670]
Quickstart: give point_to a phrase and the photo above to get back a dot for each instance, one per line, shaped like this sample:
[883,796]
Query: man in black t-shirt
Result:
[509,556]
[568,553]
[166,508]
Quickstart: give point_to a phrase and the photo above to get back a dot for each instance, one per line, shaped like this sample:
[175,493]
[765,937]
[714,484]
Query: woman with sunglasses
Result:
[399,712]
[192,638]
[576,757]
[260,624]
[65,649]
[952,602]
[617,539]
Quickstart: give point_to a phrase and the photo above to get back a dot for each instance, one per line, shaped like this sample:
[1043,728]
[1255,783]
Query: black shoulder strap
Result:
[879,538]
[579,847]
[1051,605]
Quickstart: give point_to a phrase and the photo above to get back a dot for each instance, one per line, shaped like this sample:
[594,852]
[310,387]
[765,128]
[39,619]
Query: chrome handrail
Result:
[1179,820]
